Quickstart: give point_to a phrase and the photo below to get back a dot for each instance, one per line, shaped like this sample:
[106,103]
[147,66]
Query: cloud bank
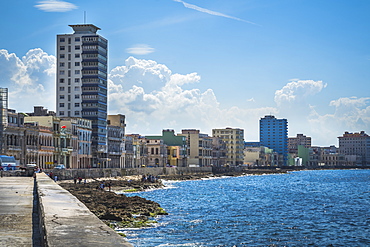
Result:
[30,80]
[55,6]
[154,98]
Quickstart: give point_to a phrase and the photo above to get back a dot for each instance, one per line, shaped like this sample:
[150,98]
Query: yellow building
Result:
[234,139]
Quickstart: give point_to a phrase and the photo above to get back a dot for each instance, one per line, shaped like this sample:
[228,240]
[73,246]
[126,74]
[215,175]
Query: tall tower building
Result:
[274,135]
[81,86]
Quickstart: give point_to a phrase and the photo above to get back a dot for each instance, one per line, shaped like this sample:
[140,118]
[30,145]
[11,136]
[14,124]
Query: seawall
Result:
[65,221]
[118,172]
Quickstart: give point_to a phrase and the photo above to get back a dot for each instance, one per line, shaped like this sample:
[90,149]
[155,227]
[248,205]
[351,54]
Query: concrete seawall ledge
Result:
[68,222]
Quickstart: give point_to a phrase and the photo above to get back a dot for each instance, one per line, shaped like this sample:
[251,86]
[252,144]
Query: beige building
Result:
[299,140]
[157,153]
[62,143]
[199,148]
[234,139]
[355,147]
[116,141]
[136,151]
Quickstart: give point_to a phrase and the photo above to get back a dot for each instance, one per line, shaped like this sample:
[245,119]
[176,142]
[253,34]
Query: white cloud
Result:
[30,80]
[200,9]
[55,6]
[152,98]
[350,114]
[297,91]
[140,49]
[294,103]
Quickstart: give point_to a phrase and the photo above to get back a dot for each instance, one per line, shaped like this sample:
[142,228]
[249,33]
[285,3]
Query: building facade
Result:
[176,147]
[299,140]
[274,135]
[199,148]
[80,131]
[355,147]
[116,140]
[81,86]
[234,139]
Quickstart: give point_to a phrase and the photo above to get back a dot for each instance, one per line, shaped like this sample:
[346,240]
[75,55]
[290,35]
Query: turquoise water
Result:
[305,208]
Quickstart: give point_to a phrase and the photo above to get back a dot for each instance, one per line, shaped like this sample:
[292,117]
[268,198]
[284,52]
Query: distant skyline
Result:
[203,65]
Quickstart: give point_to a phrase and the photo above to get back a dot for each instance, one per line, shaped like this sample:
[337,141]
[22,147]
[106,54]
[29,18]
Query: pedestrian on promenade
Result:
[109,185]
[75,180]
[55,178]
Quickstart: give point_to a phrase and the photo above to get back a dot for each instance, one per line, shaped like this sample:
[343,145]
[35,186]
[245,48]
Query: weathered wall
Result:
[117,172]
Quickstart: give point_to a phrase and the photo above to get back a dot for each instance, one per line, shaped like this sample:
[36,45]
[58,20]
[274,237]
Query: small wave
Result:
[186,244]
[196,221]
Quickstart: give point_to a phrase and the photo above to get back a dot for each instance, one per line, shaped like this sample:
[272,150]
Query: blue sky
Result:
[205,64]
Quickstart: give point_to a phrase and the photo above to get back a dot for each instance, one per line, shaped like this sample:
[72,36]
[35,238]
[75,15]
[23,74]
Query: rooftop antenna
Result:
[84,17]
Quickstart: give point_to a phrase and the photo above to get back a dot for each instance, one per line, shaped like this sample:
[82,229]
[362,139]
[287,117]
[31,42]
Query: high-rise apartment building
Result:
[234,139]
[299,140]
[81,86]
[355,144]
[274,135]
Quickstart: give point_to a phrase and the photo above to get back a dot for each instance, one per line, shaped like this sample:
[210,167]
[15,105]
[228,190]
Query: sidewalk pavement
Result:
[16,205]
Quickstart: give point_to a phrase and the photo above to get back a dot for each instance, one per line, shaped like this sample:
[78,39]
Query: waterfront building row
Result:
[44,139]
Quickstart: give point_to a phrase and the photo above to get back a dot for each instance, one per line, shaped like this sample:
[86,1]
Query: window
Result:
[77,113]
[61,64]
[61,56]
[77,79]
[77,88]
[61,80]
[77,55]
[61,72]
[77,104]
[62,48]
[61,113]
[61,104]
[77,47]
[77,72]
[62,40]
[77,39]
[77,96]
[77,63]
[61,89]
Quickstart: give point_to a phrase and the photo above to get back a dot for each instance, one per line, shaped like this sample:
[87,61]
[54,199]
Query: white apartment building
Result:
[81,86]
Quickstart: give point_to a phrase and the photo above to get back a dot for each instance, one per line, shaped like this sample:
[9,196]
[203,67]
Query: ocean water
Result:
[304,208]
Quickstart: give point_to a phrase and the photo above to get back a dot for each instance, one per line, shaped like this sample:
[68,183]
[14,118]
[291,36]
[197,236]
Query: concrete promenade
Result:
[16,206]
[48,215]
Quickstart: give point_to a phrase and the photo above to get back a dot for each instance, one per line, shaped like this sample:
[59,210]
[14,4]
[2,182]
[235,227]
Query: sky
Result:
[205,64]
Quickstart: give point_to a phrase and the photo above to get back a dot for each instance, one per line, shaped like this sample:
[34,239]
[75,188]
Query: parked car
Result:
[60,167]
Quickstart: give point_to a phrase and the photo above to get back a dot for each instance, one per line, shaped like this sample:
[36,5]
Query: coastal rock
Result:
[112,207]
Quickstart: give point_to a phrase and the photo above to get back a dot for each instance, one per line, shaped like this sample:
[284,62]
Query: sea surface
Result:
[304,208]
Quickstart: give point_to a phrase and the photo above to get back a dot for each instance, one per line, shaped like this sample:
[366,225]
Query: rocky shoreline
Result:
[117,210]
